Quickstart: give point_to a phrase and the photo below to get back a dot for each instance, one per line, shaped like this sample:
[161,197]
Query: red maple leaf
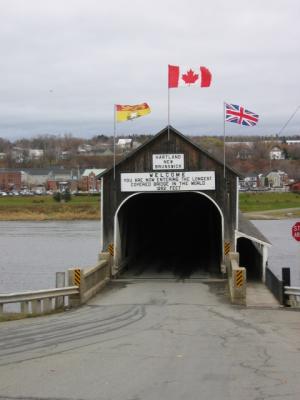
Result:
[190,77]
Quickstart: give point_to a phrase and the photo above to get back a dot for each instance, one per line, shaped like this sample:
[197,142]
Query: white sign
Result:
[167,181]
[168,161]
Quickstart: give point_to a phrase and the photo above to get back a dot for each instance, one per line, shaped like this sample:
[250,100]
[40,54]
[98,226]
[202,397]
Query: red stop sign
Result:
[296,231]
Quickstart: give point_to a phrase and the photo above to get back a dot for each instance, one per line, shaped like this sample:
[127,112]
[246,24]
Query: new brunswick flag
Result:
[127,113]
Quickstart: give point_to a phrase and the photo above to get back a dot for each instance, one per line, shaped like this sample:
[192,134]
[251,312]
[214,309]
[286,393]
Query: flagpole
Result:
[288,121]
[168,113]
[224,136]
[115,128]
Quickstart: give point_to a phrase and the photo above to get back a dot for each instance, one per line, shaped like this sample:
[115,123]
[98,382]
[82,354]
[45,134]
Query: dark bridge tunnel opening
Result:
[250,258]
[178,234]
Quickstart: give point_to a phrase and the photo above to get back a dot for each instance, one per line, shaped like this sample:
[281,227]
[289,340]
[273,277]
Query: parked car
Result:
[26,192]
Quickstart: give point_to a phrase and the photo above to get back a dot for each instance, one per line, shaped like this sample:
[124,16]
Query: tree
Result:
[261,151]
[294,151]
[5,145]
[212,144]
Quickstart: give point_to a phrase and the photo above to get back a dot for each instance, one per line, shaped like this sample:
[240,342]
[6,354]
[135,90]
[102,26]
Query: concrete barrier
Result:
[89,280]
[237,279]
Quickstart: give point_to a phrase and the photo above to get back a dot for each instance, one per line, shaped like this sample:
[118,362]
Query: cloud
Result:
[66,63]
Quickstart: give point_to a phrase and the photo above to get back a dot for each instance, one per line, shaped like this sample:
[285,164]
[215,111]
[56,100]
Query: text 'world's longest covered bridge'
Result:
[170,207]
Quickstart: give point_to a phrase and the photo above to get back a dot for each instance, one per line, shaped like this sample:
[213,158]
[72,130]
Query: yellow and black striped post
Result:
[239,278]
[227,248]
[77,277]
[110,249]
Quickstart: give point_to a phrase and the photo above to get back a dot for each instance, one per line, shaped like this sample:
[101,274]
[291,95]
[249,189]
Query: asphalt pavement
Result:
[154,339]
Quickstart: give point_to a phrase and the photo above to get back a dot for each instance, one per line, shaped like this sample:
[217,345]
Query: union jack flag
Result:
[239,115]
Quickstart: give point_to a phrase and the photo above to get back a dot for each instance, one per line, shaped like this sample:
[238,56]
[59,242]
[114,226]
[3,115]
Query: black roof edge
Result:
[170,127]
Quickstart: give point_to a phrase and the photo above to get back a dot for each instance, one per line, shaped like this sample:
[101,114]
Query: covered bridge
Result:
[171,207]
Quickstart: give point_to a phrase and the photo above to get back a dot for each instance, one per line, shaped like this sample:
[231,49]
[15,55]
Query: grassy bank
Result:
[263,201]
[40,208]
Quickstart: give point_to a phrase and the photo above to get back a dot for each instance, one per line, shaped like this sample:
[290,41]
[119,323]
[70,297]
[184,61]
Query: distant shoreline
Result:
[286,213]
[31,216]
[260,206]
[44,208]
[88,216]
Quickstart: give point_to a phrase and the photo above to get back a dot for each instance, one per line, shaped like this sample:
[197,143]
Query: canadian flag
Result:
[187,76]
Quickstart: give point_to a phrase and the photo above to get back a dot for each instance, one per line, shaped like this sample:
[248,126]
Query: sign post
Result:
[296,231]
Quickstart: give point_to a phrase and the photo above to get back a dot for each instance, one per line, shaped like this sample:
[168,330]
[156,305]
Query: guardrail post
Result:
[36,306]
[47,305]
[293,302]
[293,296]
[25,307]
[60,280]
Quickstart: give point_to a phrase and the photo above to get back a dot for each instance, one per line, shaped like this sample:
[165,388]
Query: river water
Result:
[31,252]
[285,250]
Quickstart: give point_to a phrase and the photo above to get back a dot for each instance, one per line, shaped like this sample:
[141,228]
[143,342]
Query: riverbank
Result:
[260,205]
[270,205]
[44,208]
[286,213]
[262,201]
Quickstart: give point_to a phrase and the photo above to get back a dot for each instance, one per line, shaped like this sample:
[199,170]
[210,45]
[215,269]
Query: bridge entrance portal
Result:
[170,234]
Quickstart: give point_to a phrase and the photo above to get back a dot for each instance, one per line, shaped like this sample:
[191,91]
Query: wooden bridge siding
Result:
[194,161]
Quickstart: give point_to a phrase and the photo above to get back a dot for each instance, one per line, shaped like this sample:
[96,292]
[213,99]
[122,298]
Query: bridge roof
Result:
[248,230]
[176,132]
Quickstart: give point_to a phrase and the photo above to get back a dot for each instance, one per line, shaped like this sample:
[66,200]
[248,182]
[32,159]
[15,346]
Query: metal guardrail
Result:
[86,284]
[292,290]
[37,294]
[39,299]
[293,295]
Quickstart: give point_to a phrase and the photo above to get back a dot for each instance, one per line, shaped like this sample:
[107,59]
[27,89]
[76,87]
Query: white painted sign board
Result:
[167,181]
[167,161]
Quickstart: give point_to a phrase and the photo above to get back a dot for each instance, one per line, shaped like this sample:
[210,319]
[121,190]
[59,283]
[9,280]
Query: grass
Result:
[264,201]
[45,208]
[11,201]
[40,208]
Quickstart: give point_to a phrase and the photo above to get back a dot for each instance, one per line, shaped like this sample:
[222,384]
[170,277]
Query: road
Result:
[150,340]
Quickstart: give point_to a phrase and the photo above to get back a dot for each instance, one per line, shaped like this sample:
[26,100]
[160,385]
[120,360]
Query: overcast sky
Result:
[65,63]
